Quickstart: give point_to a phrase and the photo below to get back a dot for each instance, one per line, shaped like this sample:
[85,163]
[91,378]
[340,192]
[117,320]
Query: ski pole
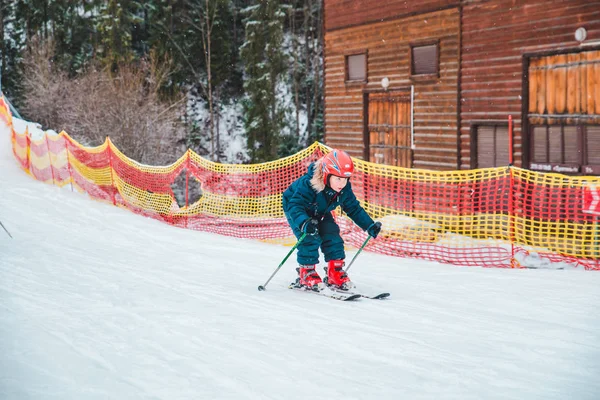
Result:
[262,287]
[6,230]
[358,252]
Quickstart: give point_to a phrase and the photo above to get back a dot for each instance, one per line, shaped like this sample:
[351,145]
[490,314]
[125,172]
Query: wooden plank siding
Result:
[565,86]
[347,13]
[485,48]
[388,46]
[497,37]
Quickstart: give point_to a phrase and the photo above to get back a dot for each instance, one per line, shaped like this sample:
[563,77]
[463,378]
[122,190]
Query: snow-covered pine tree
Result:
[114,26]
[264,65]
[11,37]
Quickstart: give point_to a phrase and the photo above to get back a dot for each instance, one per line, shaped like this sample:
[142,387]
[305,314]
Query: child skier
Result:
[307,205]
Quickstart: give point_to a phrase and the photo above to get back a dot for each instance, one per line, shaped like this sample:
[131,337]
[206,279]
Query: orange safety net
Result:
[495,217]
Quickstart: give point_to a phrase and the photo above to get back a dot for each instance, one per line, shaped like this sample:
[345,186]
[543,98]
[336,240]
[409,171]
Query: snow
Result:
[230,127]
[100,303]
[35,130]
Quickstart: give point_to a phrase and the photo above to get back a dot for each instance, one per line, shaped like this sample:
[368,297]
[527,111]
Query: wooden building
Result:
[431,83]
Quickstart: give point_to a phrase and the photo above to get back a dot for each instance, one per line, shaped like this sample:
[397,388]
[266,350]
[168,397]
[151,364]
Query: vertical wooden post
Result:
[28,142]
[187,180]
[596,242]
[49,158]
[68,160]
[112,179]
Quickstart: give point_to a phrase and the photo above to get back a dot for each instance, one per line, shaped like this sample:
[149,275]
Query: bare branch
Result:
[125,106]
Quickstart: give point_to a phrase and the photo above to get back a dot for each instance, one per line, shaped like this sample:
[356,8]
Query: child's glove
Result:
[310,226]
[374,229]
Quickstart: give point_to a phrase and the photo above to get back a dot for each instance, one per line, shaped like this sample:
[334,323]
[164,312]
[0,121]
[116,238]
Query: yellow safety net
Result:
[498,217]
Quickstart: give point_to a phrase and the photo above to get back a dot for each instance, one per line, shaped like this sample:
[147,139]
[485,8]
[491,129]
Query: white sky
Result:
[99,303]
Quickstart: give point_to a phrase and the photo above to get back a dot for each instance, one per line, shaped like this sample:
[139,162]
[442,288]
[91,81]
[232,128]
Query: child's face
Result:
[337,183]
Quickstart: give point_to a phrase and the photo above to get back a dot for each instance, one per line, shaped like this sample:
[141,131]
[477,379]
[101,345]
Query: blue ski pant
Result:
[328,239]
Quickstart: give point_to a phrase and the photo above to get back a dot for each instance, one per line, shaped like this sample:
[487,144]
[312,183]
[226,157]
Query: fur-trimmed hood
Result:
[316,182]
[307,197]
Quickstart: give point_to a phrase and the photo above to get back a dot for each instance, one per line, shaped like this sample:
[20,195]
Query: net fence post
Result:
[511,194]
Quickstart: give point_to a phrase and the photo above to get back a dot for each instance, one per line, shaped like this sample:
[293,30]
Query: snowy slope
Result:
[99,303]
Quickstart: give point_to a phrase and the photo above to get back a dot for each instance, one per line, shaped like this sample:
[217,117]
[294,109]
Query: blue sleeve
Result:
[297,204]
[354,210]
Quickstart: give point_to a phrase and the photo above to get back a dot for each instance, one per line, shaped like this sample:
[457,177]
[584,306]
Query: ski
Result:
[378,296]
[336,295]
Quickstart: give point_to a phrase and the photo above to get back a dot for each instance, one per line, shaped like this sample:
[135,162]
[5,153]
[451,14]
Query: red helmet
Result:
[338,163]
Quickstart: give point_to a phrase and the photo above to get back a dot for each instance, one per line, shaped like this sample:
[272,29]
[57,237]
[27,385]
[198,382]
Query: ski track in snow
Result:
[99,303]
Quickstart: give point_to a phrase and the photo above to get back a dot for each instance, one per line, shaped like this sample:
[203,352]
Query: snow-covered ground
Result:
[99,303]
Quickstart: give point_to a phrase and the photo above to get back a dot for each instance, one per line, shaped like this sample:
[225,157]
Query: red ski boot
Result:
[309,278]
[336,276]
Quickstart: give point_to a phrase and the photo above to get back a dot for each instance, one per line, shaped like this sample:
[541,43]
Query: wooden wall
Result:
[565,88]
[346,13]
[495,36]
[387,43]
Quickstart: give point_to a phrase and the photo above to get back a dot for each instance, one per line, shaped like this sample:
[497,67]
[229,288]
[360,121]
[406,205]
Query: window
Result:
[489,146]
[356,67]
[567,149]
[592,147]
[424,60]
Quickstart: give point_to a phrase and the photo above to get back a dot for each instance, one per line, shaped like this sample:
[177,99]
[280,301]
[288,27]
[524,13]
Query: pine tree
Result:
[163,32]
[203,17]
[315,128]
[247,58]
[33,15]
[73,31]
[115,25]
[264,65]
[10,44]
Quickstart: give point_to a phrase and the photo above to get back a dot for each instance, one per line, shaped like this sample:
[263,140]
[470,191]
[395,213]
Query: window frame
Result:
[423,43]
[583,167]
[359,52]
[473,138]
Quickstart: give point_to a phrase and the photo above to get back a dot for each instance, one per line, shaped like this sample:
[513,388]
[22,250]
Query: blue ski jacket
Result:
[308,197]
